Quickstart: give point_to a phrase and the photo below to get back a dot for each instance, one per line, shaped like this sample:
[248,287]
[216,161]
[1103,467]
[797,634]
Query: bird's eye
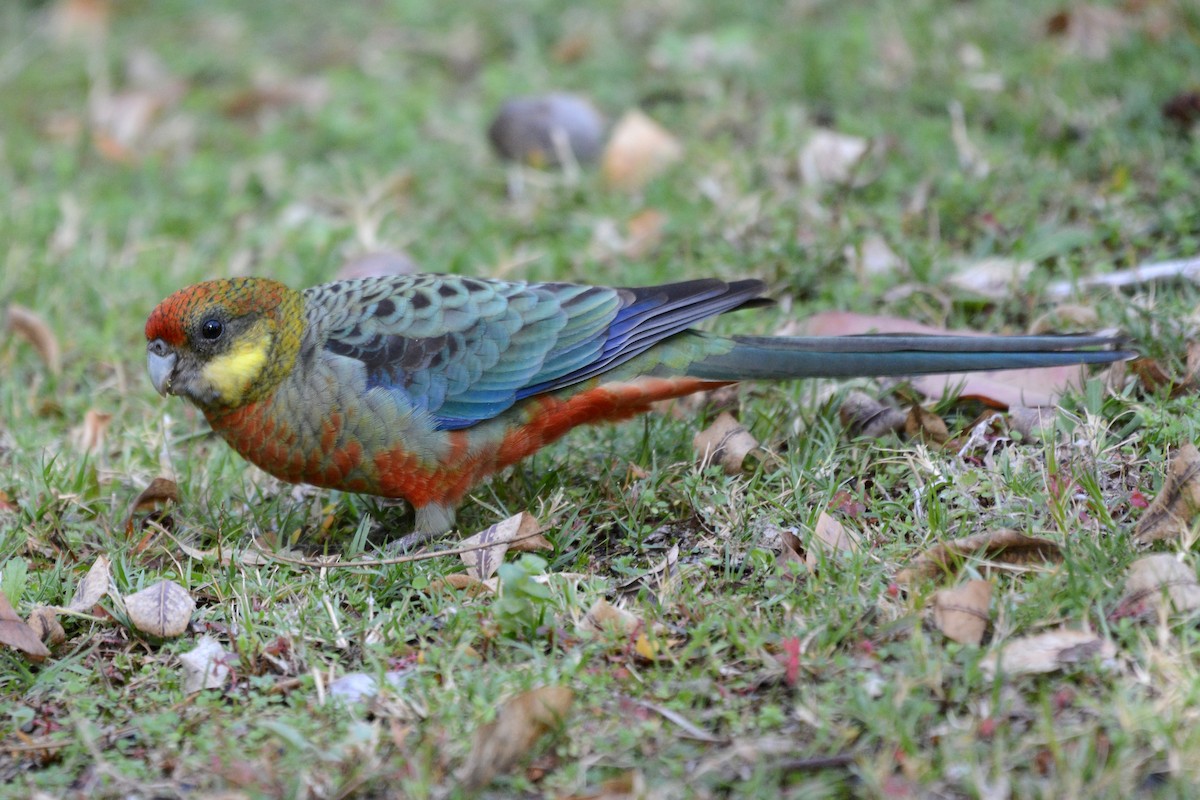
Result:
[212,329]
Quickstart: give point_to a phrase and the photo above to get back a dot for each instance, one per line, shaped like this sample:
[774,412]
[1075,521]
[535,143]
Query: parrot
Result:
[421,386]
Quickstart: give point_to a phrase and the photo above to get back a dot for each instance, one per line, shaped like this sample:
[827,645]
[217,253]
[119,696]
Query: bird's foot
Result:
[412,542]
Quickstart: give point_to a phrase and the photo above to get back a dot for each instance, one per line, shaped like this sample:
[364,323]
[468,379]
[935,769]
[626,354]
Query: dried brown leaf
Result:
[159,493]
[460,581]
[962,612]
[999,547]
[1158,580]
[725,442]
[1171,512]
[276,94]
[204,666]
[44,621]
[16,634]
[638,150]
[496,540]
[499,745]
[863,415]
[162,610]
[630,785]
[604,616]
[92,589]
[89,437]
[830,538]
[926,426]
[792,549]
[29,325]
[1046,652]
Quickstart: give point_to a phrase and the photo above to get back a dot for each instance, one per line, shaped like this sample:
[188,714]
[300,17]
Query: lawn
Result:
[748,650]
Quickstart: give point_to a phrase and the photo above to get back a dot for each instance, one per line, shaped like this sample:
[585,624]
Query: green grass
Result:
[1086,176]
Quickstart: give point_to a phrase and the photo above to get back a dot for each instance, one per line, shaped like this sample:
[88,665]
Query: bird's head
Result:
[224,343]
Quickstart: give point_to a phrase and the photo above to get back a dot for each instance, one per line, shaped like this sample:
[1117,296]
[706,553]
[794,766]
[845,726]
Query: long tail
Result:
[878,355]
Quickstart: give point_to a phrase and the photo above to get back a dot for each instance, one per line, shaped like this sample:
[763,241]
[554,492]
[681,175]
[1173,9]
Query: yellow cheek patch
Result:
[233,372]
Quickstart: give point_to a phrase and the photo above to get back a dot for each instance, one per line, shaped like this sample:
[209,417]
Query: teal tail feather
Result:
[879,355]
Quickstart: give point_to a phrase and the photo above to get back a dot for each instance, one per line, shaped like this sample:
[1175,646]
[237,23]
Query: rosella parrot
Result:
[421,386]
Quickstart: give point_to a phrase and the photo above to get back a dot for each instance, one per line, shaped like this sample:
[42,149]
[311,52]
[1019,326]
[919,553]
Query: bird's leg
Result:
[433,521]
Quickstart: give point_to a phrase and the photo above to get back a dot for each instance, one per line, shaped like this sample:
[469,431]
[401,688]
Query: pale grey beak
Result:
[161,363]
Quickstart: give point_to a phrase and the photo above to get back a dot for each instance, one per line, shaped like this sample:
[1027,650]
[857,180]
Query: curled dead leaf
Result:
[863,415]
[460,581]
[204,666]
[1001,548]
[604,616]
[160,493]
[1158,580]
[44,621]
[725,442]
[1171,512]
[925,425]
[162,610]
[521,721]
[92,589]
[638,150]
[29,325]
[830,538]
[521,531]
[962,612]
[16,634]
[1046,652]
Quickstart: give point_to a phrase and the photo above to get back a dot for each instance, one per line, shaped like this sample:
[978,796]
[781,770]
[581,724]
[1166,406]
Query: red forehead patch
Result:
[237,296]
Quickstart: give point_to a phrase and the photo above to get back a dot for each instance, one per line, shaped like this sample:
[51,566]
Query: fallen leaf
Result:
[92,589]
[962,612]
[382,264]
[89,437]
[725,442]
[830,538]
[1158,580]
[459,581]
[158,494]
[521,721]
[204,666]
[639,149]
[548,131]
[1046,652]
[162,610]
[791,548]
[604,616]
[16,634]
[863,415]
[926,426]
[494,541]
[44,622]
[658,579]
[1001,548]
[832,158]
[1066,317]
[273,94]
[1171,512]
[993,278]
[1001,388]
[28,325]
[873,257]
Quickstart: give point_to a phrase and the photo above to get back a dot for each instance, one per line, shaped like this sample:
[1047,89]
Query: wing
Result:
[465,350]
